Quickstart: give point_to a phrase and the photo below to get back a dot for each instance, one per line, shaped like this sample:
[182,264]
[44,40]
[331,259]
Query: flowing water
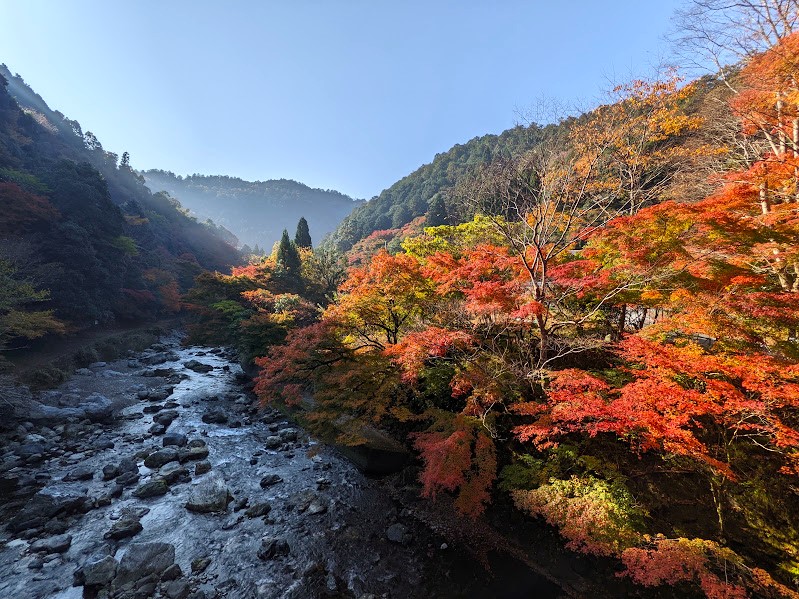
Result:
[274,513]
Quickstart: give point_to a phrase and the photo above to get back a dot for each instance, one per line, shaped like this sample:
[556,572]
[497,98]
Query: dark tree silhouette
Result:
[302,238]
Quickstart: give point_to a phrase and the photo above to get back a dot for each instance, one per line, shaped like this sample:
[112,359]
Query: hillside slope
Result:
[80,234]
[257,212]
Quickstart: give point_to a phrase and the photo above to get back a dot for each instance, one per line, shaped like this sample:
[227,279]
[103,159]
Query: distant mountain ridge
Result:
[256,211]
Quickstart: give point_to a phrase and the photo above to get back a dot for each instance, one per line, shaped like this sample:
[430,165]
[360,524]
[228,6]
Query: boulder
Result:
[215,417]
[174,473]
[165,417]
[56,544]
[198,366]
[176,439]
[273,442]
[96,573]
[53,500]
[193,453]
[154,488]
[161,457]
[124,528]
[210,495]
[144,559]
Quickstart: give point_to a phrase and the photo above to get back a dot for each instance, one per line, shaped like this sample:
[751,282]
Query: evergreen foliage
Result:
[303,236]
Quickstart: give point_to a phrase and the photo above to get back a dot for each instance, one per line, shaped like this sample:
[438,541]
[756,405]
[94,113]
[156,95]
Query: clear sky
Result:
[342,94]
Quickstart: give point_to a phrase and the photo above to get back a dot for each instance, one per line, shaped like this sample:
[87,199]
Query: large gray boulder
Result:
[143,559]
[210,495]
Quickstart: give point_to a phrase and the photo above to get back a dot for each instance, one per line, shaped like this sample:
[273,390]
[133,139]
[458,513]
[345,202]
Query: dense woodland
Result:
[596,319]
[83,242]
[256,211]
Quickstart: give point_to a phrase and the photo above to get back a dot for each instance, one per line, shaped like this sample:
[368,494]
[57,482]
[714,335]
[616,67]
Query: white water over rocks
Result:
[238,502]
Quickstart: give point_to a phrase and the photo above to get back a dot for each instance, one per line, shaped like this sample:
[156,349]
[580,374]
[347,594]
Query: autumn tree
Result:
[17,319]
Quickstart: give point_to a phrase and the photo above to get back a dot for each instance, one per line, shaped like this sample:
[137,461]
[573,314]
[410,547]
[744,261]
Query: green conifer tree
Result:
[302,238]
[287,255]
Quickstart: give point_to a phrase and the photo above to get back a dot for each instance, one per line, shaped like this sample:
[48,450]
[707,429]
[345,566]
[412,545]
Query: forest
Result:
[84,242]
[595,319]
[592,322]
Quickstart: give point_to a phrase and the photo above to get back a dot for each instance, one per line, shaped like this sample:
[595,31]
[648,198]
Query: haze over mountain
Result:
[256,211]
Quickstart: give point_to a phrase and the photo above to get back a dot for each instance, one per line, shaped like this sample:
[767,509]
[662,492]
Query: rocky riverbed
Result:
[156,476]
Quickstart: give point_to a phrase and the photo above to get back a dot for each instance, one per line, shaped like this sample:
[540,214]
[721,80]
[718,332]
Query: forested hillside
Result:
[410,197]
[256,211]
[600,327]
[82,240]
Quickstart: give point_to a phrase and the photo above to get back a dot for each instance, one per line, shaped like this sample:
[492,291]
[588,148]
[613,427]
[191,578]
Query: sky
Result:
[349,95]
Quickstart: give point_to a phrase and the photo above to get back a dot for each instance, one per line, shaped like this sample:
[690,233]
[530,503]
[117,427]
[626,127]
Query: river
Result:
[156,476]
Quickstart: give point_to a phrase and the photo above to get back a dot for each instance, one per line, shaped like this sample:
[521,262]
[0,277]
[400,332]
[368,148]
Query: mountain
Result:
[256,211]
[410,197]
[82,239]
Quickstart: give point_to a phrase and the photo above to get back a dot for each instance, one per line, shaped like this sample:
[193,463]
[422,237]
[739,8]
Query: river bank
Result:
[155,476]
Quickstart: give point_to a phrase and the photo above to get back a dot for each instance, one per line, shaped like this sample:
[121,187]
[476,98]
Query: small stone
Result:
[273,547]
[199,565]
[123,529]
[157,429]
[258,510]
[270,479]
[202,468]
[317,506]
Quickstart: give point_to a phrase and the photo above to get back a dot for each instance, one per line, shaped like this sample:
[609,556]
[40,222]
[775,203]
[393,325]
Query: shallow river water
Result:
[219,500]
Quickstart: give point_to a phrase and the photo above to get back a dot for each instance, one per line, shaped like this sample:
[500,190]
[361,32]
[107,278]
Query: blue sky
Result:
[343,94]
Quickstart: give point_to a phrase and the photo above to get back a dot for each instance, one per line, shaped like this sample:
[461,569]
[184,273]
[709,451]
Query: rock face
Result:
[210,495]
[143,559]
